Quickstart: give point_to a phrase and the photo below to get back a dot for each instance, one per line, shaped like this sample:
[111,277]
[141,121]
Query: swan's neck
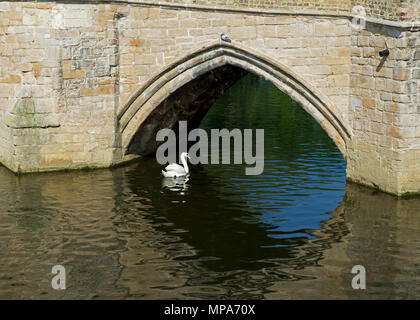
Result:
[184,163]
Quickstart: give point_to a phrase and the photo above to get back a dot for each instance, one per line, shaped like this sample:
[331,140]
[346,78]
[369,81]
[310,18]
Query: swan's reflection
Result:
[178,184]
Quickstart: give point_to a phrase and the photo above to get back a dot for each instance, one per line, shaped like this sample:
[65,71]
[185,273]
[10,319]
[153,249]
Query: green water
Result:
[293,232]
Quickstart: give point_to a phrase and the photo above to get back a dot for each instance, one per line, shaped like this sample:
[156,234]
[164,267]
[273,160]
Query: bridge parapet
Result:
[393,10]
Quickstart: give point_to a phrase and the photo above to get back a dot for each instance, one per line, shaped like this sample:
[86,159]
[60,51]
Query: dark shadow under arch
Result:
[186,89]
[190,103]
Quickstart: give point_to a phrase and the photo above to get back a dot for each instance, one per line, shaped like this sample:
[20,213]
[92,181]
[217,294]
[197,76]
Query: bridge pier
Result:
[80,82]
[384,110]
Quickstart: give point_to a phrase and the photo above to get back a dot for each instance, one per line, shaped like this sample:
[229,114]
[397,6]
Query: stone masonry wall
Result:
[28,73]
[385,109]
[58,80]
[75,64]
[68,68]
[316,48]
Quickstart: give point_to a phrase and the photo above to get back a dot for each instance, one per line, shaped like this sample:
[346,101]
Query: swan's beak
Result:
[188,156]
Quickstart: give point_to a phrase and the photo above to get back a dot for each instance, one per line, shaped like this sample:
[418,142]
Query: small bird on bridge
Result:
[225,38]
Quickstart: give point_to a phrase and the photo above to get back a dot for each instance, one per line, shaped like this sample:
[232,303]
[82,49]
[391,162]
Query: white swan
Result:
[175,170]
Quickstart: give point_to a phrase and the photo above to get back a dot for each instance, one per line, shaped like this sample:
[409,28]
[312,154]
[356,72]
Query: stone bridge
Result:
[89,83]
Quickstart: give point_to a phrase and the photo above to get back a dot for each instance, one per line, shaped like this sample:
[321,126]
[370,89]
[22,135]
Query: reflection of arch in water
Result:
[213,246]
[368,228]
[154,106]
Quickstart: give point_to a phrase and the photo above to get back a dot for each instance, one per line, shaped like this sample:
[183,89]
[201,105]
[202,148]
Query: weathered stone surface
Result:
[24,115]
[70,73]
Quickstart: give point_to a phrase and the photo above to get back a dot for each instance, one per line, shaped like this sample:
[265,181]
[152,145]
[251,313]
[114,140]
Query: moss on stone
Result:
[24,115]
[24,106]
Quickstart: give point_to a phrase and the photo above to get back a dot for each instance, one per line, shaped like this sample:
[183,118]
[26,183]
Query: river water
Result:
[294,232]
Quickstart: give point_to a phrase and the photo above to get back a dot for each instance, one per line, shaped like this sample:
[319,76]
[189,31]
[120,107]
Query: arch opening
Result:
[187,88]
